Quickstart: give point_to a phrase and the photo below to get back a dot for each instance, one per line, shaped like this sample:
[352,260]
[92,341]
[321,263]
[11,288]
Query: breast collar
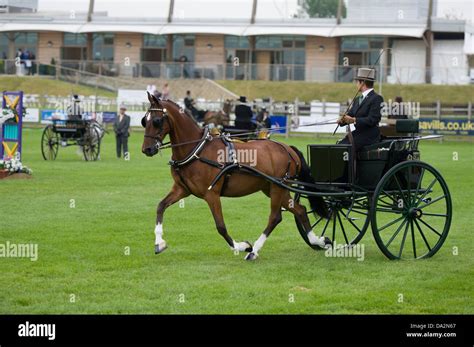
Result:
[195,152]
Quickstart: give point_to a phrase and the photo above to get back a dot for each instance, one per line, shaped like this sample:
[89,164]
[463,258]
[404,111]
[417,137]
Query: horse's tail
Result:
[317,203]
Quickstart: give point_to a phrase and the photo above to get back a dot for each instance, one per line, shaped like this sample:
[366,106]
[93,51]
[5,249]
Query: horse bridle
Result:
[158,125]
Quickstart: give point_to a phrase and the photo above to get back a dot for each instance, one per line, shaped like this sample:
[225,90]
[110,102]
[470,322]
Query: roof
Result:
[308,27]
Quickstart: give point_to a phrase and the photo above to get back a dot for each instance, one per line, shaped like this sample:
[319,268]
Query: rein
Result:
[168,144]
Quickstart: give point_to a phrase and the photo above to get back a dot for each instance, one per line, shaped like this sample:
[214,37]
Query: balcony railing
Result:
[268,72]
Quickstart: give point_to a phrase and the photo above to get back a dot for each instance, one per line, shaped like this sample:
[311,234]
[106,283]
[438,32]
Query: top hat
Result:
[243,99]
[122,106]
[365,74]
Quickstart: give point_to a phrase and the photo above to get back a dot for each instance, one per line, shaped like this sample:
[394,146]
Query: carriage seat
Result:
[380,150]
[407,126]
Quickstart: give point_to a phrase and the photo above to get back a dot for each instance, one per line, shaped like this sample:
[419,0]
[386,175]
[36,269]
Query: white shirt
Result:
[364,95]
[366,92]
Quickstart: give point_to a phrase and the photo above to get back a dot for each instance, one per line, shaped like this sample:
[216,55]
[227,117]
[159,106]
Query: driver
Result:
[74,111]
[190,106]
[365,112]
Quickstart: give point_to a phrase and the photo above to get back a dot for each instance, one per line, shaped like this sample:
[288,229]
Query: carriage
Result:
[385,185]
[72,132]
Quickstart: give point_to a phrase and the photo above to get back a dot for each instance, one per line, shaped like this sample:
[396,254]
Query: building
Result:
[18,6]
[419,47]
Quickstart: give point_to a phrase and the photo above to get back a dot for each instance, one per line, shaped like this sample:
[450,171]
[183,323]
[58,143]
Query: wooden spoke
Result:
[418,185]
[342,228]
[432,202]
[391,223]
[316,223]
[403,241]
[423,235]
[395,233]
[430,227]
[413,238]
[435,214]
[326,225]
[426,191]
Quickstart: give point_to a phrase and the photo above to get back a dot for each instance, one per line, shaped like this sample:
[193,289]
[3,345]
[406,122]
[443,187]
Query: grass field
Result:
[340,92]
[82,250]
[38,85]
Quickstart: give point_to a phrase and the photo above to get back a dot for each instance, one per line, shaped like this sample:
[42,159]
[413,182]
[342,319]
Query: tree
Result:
[323,8]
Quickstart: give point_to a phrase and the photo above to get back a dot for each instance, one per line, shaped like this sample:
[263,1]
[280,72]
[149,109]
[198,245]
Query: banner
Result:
[48,115]
[32,115]
[446,126]
[320,112]
[109,117]
[278,122]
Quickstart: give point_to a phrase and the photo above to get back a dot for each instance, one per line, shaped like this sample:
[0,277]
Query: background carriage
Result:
[406,201]
[73,132]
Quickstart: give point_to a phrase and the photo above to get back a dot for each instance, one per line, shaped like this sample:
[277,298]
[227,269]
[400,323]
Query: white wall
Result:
[449,63]
[408,62]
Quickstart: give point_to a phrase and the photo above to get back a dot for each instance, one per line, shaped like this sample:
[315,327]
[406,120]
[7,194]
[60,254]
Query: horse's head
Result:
[157,125]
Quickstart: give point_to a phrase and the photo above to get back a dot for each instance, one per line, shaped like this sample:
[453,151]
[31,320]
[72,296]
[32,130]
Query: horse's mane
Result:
[172,102]
[179,107]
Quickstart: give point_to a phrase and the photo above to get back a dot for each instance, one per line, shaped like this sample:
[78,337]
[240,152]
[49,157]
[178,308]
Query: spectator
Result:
[399,110]
[263,118]
[28,64]
[122,131]
[165,93]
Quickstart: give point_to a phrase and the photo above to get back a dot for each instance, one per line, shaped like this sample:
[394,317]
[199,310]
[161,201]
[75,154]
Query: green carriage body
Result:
[384,185]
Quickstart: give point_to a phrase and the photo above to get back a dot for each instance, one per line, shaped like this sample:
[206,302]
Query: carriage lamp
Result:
[321,48]
[128,45]
[209,46]
[50,44]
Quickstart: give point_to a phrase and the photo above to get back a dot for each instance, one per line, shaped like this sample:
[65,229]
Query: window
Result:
[183,48]
[74,47]
[236,42]
[26,42]
[357,51]
[3,46]
[154,48]
[103,46]
[72,40]
[287,56]
[154,41]
[238,55]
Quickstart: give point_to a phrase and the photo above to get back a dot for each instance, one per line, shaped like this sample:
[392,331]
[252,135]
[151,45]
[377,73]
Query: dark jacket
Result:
[243,117]
[367,115]
[122,128]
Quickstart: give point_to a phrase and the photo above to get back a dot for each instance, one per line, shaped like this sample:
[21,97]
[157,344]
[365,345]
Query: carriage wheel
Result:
[91,146]
[347,224]
[49,143]
[411,211]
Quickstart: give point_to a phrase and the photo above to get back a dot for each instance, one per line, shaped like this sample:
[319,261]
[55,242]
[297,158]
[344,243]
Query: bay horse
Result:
[197,158]
[221,117]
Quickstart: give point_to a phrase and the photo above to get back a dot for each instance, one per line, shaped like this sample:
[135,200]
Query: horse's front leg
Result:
[177,193]
[214,202]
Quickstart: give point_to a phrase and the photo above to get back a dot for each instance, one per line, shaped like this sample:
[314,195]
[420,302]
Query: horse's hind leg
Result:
[276,196]
[300,213]
[177,193]
[214,202]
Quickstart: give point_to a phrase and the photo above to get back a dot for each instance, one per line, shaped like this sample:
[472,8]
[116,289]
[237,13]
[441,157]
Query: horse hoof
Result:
[160,248]
[251,256]
[249,249]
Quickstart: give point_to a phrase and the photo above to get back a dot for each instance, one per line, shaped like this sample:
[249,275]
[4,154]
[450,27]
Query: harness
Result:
[230,164]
